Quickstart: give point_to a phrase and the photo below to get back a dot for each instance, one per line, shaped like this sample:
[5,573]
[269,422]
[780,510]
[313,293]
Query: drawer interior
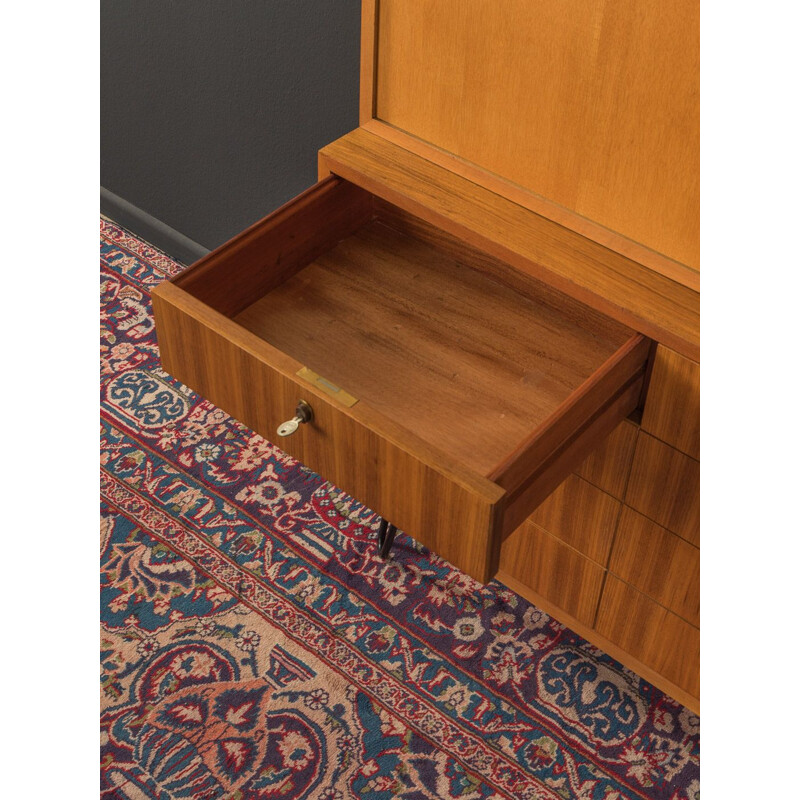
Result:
[448,342]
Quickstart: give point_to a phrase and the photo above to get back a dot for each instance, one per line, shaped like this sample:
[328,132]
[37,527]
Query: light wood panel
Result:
[609,465]
[665,486]
[624,290]
[459,359]
[447,507]
[657,262]
[548,566]
[658,563]
[594,105]
[672,410]
[650,633]
[580,515]
[605,644]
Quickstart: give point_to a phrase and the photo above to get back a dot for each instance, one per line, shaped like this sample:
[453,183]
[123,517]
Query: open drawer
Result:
[450,393]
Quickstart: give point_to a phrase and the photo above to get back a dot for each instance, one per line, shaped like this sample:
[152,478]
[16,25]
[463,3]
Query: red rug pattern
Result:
[253,645]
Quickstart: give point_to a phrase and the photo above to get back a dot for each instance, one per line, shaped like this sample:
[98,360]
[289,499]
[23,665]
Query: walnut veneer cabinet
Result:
[490,305]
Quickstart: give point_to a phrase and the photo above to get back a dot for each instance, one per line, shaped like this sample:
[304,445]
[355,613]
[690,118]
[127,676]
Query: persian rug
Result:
[254,645]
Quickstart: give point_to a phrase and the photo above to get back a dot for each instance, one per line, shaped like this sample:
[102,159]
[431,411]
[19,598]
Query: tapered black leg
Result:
[384,524]
[386,545]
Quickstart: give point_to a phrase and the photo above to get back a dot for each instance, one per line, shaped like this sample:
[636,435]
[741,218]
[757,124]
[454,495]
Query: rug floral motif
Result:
[254,645]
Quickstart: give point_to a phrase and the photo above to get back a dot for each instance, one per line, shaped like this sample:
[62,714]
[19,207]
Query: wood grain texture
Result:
[606,645]
[554,570]
[594,105]
[658,563]
[423,491]
[460,360]
[496,269]
[657,262]
[573,413]
[580,515]
[672,410]
[665,486]
[546,477]
[609,465]
[622,289]
[650,633]
[455,370]
[264,255]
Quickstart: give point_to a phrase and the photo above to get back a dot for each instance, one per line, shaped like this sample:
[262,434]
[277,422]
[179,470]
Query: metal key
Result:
[302,414]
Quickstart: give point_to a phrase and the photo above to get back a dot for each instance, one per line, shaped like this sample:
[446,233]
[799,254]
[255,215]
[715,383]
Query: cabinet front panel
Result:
[672,410]
[665,487]
[658,563]
[581,516]
[552,569]
[609,465]
[650,633]
[592,105]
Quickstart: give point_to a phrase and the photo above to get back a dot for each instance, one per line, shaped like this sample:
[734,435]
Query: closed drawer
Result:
[608,466]
[581,515]
[672,410]
[553,570]
[450,393]
[651,634]
[664,485]
[658,563]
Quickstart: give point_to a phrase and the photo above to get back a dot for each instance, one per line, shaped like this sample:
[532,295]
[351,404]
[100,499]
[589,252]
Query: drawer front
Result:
[650,633]
[665,486]
[672,410]
[448,509]
[658,563]
[609,465]
[552,569]
[580,515]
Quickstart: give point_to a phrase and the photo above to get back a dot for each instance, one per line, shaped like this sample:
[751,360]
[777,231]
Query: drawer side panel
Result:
[575,412]
[541,483]
[276,247]
[609,465]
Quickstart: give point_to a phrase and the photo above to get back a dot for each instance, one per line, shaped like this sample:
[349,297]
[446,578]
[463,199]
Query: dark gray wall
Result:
[212,111]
